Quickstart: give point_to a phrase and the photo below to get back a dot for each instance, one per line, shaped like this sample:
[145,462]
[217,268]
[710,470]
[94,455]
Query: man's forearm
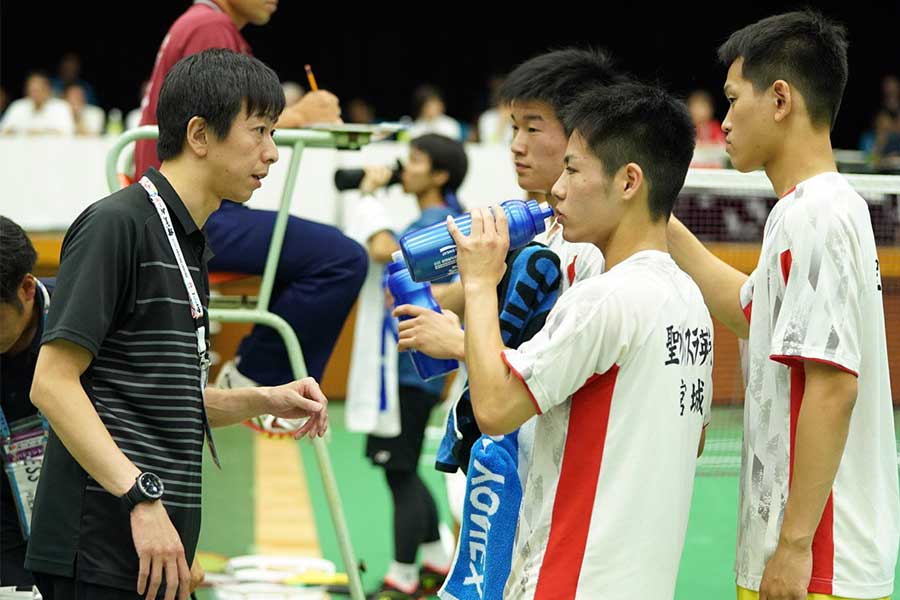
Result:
[719,282]
[227,407]
[75,421]
[450,296]
[822,428]
[489,377]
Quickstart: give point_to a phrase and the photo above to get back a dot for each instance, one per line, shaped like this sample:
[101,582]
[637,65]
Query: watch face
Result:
[151,485]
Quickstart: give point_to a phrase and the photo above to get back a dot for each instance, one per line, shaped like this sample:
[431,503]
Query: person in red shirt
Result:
[709,130]
[321,270]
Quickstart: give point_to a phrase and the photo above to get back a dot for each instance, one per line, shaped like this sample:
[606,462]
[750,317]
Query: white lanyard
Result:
[193,298]
[44,294]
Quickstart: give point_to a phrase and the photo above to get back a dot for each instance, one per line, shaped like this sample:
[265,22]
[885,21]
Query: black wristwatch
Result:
[147,488]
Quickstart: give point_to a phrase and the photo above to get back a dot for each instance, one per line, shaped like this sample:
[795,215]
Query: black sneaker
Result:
[431,580]
[388,591]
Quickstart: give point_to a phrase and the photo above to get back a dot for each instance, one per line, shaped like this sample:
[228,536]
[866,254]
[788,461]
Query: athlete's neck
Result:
[800,157]
[430,199]
[635,233]
[192,187]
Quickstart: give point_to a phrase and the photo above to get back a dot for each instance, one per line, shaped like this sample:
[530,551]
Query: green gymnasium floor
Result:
[228,504]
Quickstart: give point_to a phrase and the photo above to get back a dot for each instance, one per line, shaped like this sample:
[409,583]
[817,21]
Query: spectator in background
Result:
[89,119]
[434,172]
[494,125]
[709,151]
[883,126]
[890,94]
[69,73]
[885,149]
[709,130]
[881,143]
[360,111]
[431,117]
[38,112]
[293,91]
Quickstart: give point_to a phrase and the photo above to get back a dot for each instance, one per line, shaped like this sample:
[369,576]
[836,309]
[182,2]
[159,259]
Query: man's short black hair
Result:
[556,77]
[803,48]
[18,261]
[643,124]
[446,155]
[214,84]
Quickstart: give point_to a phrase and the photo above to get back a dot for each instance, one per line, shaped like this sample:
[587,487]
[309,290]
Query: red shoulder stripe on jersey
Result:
[512,369]
[790,361]
[575,493]
[786,261]
[748,310]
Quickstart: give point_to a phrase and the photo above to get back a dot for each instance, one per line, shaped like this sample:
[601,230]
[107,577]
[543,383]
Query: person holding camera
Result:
[433,173]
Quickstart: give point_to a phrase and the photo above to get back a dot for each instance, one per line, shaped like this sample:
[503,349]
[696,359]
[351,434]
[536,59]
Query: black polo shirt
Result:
[16,375]
[120,295]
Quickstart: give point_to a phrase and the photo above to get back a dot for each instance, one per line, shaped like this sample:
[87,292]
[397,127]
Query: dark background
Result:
[674,46]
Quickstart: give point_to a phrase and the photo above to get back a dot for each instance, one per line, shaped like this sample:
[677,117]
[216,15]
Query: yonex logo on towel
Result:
[485,502]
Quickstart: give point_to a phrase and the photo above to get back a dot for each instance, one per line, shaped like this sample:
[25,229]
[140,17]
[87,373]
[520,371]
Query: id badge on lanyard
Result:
[194,300]
[24,442]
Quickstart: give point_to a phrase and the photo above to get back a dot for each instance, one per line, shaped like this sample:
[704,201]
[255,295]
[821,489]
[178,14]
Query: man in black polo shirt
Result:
[122,369]
[23,304]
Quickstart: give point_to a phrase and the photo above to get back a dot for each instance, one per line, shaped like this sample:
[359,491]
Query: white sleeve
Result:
[819,316]
[11,117]
[747,295]
[585,334]
[707,414]
[366,217]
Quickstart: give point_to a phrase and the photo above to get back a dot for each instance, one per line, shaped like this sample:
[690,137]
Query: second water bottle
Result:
[406,291]
[430,252]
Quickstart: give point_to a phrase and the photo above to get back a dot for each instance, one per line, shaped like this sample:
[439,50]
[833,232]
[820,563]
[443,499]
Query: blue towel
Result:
[490,514]
[528,291]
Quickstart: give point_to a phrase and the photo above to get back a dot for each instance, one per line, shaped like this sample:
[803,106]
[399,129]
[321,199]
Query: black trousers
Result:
[53,587]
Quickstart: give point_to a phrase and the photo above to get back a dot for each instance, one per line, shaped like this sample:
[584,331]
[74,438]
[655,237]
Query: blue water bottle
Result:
[430,252]
[406,291]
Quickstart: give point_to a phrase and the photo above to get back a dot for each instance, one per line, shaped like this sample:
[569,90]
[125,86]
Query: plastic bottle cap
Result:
[397,255]
[546,211]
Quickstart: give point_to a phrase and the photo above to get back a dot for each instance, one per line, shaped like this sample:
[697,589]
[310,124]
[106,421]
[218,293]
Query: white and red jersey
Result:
[577,261]
[816,296]
[621,376]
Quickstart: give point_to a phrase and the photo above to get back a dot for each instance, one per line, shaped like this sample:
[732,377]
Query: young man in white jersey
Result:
[819,510]
[536,92]
[621,373]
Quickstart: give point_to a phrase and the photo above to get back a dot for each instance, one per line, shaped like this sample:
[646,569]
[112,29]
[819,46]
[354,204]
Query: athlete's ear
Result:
[197,137]
[783,98]
[632,180]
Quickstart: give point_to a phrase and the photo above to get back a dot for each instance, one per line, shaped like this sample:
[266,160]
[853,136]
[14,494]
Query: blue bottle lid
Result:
[539,214]
[397,263]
